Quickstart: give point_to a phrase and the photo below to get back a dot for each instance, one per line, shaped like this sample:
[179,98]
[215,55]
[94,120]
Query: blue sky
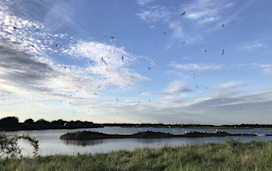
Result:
[137,61]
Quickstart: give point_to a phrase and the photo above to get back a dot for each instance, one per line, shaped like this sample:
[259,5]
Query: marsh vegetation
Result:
[231,155]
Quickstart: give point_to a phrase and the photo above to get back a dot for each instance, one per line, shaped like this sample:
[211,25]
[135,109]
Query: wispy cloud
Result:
[205,16]
[207,11]
[155,14]
[144,2]
[252,46]
[109,62]
[193,66]
[227,89]
[176,87]
[28,64]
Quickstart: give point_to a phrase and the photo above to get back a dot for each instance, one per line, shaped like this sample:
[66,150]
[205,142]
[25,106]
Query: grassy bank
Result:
[231,155]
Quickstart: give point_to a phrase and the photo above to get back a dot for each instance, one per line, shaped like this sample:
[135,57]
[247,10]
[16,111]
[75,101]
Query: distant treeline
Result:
[13,124]
[161,125]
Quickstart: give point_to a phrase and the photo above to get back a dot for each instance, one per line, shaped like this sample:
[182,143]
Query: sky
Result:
[137,61]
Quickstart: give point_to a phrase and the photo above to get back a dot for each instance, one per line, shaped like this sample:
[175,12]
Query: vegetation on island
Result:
[90,135]
[231,155]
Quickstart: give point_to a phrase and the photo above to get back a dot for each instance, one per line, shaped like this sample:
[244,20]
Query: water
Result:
[49,142]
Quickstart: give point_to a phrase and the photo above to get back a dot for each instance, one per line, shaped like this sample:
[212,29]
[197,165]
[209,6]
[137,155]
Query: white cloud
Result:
[110,62]
[267,68]
[29,36]
[28,67]
[144,2]
[155,14]
[176,87]
[177,29]
[193,66]
[200,18]
[207,11]
[227,89]
[252,46]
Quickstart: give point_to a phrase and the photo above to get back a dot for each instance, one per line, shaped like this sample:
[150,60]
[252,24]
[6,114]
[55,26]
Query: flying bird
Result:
[113,38]
[154,58]
[149,68]
[206,50]
[156,45]
[196,86]
[122,57]
[223,52]
[183,13]
[14,28]
[223,25]
[57,45]
[164,33]
[32,45]
[104,60]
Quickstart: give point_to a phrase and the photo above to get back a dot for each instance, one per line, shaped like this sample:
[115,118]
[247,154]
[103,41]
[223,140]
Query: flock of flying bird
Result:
[122,58]
[149,68]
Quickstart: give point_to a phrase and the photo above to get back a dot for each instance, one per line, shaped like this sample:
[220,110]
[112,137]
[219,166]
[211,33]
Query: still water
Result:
[49,142]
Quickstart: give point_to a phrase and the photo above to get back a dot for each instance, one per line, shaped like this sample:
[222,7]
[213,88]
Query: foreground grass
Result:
[231,155]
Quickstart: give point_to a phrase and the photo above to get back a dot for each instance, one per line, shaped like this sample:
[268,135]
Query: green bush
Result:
[9,145]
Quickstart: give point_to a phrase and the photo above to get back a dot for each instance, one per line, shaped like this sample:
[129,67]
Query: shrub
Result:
[9,145]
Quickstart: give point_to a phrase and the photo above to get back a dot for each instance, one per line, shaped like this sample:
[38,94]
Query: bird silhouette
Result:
[223,25]
[164,33]
[14,28]
[206,50]
[223,51]
[149,68]
[122,57]
[113,38]
[183,13]
[104,60]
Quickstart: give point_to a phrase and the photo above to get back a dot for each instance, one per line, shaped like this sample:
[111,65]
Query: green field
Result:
[231,155]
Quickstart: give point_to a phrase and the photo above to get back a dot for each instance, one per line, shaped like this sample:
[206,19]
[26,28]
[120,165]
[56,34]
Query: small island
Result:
[89,135]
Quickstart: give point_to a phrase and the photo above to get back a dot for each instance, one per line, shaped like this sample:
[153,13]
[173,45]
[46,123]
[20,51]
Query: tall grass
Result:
[231,155]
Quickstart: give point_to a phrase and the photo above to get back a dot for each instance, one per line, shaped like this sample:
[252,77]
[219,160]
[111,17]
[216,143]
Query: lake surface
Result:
[49,142]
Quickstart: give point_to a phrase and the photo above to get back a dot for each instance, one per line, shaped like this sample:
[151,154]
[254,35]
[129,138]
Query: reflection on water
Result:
[50,143]
[83,143]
